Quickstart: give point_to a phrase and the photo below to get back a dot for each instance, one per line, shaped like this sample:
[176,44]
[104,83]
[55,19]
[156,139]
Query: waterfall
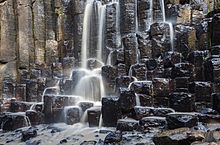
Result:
[86,32]
[150,16]
[101,14]
[169,23]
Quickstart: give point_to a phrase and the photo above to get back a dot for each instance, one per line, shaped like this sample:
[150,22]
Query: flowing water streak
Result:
[137,99]
[86,32]
[100,122]
[102,18]
[56,87]
[118,37]
[169,23]
[150,16]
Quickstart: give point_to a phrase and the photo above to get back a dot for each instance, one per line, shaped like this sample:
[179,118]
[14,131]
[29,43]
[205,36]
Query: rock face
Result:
[150,63]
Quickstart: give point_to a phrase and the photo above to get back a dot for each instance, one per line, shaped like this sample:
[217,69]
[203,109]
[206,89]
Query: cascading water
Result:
[151,19]
[90,87]
[101,13]
[169,23]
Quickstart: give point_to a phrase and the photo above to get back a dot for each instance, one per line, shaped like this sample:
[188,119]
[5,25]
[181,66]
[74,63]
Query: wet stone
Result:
[85,105]
[181,82]
[123,81]
[89,143]
[162,112]
[186,39]
[141,112]
[19,106]
[109,73]
[142,87]
[127,99]
[35,117]
[153,121]
[211,69]
[144,45]
[151,64]
[172,137]
[76,75]
[209,118]
[162,86]
[178,120]
[72,115]
[94,116]
[202,90]
[145,100]
[28,134]
[183,70]
[113,137]
[182,102]
[111,111]
[128,16]
[171,58]
[138,71]
[13,121]
[161,101]
[215,50]
[216,101]
[127,125]
[198,57]
[68,87]
[214,30]
[54,105]
[121,69]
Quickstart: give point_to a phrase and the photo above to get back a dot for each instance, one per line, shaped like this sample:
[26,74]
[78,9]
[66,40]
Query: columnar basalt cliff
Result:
[129,64]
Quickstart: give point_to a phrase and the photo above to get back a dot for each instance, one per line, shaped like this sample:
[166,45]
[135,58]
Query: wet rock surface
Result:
[151,63]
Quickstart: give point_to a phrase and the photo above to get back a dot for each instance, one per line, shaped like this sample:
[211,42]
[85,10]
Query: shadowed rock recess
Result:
[104,72]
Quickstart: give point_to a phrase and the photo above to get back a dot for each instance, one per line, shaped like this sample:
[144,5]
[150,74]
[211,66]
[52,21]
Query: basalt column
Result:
[128,31]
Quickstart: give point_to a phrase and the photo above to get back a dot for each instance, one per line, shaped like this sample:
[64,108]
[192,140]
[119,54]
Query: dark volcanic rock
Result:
[138,71]
[162,86]
[211,69]
[72,114]
[113,137]
[35,117]
[127,125]
[111,111]
[214,30]
[12,121]
[127,99]
[183,70]
[141,112]
[54,105]
[128,16]
[151,64]
[153,121]
[181,83]
[172,137]
[94,116]
[145,100]
[182,102]
[123,81]
[171,58]
[28,134]
[178,120]
[202,90]
[142,87]
[216,101]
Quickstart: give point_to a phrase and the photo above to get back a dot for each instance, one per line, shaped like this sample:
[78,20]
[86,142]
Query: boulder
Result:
[178,120]
[153,121]
[111,111]
[127,125]
[182,102]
